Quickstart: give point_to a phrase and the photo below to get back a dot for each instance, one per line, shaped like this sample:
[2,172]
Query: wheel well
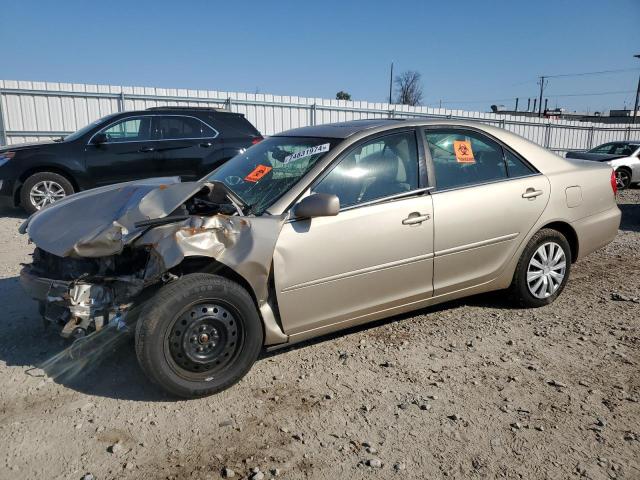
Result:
[570,234]
[28,173]
[210,265]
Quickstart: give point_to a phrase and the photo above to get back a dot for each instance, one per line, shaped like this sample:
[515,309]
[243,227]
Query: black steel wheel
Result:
[205,338]
[198,335]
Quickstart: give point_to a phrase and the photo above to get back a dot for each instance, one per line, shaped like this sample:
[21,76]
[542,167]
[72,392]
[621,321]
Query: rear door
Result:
[486,201]
[128,153]
[186,146]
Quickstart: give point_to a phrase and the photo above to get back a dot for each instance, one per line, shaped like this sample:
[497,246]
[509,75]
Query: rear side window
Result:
[622,149]
[463,158]
[178,127]
[515,166]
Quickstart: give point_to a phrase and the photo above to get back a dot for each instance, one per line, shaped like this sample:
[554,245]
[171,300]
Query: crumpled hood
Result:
[100,222]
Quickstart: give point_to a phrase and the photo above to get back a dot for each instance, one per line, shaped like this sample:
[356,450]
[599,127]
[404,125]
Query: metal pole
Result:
[121,105]
[635,108]
[516,109]
[3,129]
[391,84]
[313,114]
[540,101]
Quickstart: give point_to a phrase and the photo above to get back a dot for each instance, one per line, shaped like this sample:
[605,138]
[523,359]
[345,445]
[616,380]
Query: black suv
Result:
[158,142]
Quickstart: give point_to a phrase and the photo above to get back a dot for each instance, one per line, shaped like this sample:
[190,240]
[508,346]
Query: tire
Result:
[623,178]
[176,315]
[526,294]
[50,186]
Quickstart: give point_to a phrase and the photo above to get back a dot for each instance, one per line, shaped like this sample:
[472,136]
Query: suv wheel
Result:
[198,335]
[623,178]
[42,189]
[543,269]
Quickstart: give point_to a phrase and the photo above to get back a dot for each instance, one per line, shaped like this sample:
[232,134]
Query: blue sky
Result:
[470,53]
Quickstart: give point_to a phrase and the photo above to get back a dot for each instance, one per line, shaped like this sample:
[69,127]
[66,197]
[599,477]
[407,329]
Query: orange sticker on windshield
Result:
[464,153]
[257,173]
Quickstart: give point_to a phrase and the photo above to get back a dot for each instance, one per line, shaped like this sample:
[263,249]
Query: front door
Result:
[374,256]
[128,154]
[486,201]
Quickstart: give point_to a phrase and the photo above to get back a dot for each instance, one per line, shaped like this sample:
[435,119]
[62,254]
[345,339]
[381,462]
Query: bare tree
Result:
[408,88]
[342,95]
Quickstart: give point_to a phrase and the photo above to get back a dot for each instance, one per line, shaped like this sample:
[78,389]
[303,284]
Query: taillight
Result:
[614,183]
[6,156]
[256,140]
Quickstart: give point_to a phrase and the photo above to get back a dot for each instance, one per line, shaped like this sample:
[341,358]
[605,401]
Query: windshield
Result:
[267,170]
[87,128]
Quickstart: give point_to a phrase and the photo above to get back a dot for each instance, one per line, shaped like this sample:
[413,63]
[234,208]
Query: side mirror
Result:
[99,138]
[317,205]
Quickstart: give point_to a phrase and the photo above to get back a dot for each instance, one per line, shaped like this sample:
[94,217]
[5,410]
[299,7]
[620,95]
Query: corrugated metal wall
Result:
[35,111]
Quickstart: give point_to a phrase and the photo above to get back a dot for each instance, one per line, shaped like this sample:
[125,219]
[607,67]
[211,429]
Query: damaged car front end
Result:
[121,243]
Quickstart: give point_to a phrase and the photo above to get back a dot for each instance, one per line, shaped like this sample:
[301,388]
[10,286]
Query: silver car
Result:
[311,231]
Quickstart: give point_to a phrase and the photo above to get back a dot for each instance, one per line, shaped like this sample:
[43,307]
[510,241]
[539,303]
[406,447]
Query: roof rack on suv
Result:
[211,109]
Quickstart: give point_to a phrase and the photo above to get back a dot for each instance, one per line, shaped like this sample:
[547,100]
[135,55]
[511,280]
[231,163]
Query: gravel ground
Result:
[469,389]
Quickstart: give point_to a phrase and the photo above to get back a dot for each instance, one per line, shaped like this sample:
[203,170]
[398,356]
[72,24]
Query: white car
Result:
[624,157]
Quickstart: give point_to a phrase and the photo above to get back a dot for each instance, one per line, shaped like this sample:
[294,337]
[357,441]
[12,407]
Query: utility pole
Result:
[391,83]
[516,109]
[540,101]
[635,108]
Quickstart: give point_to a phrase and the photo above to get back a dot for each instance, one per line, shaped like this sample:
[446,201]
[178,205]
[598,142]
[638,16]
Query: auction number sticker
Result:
[463,151]
[257,173]
[307,152]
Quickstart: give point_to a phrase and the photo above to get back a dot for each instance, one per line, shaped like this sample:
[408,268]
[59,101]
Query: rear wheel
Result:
[623,178]
[199,334]
[42,189]
[543,269]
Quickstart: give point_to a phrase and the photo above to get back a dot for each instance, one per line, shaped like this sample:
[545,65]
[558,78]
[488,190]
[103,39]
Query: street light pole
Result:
[391,83]
[540,101]
[635,108]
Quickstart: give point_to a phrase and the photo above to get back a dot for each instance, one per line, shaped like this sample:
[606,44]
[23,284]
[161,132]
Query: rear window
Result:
[233,124]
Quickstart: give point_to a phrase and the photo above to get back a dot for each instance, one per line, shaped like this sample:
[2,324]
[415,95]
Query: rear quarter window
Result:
[231,125]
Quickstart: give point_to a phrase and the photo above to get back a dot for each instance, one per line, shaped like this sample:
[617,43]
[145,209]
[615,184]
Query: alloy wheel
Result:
[46,192]
[623,179]
[546,270]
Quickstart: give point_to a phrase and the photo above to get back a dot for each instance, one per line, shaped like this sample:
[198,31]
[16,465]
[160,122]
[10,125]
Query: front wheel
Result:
[199,335]
[543,269]
[42,189]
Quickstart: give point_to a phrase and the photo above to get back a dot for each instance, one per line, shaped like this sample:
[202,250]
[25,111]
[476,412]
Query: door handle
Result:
[415,218]
[532,193]
[146,149]
[206,144]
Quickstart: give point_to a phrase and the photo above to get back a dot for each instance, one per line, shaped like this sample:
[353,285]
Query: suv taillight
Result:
[614,183]
[256,140]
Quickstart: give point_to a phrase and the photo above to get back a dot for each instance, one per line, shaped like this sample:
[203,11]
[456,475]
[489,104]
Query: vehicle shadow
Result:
[630,217]
[10,212]
[109,367]
[109,370]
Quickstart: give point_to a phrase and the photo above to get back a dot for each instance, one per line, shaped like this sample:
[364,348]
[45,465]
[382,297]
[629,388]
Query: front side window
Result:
[264,172]
[606,148]
[463,158]
[177,127]
[376,169]
[133,129]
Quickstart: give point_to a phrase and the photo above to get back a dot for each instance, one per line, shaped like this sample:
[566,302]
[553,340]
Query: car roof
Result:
[341,129]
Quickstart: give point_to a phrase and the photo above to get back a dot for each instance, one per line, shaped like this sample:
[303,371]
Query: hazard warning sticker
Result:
[257,173]
[463,151]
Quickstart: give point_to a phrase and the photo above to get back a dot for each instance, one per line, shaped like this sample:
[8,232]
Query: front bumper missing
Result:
[79,307]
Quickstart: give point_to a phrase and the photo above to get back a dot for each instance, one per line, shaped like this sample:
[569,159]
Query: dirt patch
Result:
[470,389]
